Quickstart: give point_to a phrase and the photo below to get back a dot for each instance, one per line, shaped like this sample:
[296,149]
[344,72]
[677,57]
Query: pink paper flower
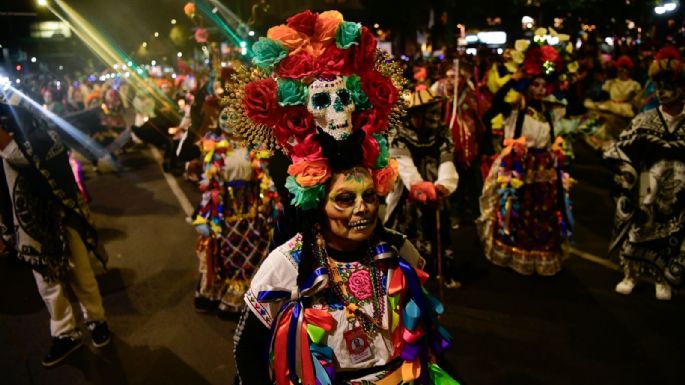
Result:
[359,285]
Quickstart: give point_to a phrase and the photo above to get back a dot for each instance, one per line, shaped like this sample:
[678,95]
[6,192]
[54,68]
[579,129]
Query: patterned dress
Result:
[383,286]
[650,206]
[525,209]
[234,219]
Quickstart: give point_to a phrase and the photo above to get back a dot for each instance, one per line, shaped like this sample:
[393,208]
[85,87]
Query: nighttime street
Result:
[342,192]
[508,329]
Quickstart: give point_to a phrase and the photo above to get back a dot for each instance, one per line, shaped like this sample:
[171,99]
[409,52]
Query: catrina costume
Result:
[234,220]
[322,93]
[526,219]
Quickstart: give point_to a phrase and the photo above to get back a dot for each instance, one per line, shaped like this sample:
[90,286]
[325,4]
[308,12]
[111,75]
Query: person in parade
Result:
[526,220]
[234,219]
[46,222]
[424,152]
[650,174]
[343,298]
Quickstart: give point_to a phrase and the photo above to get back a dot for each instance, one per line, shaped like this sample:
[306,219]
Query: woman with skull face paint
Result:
[341,302]
[650,205]
[525,212]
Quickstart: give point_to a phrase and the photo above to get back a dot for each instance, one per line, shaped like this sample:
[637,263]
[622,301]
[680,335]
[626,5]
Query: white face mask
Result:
[331,104]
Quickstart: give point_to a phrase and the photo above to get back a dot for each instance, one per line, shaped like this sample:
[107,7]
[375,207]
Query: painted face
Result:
[537,90]
[623,73]
[668,92]
[351,209]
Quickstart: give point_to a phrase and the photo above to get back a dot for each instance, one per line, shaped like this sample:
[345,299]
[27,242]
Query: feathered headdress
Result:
[322,93]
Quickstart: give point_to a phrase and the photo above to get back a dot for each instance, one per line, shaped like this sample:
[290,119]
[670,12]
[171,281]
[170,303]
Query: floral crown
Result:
[322,93]
[549,55]
[667,64]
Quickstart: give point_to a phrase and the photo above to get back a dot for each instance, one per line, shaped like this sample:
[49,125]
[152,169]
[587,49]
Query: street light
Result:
[664,8]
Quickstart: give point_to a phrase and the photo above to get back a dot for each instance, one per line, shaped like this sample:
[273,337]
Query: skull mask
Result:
[331,105]
[224,118]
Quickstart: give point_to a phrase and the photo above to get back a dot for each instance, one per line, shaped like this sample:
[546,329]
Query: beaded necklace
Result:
[369,324]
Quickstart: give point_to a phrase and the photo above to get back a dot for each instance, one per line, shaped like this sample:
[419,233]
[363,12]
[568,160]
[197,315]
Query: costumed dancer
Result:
[341,302]
[45,220]
[525,218]
[234,219]
[650,207]
[424,152]
[468,134]
[621,90]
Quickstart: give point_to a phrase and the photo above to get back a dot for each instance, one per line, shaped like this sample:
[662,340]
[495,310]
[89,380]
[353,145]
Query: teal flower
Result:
[306,198]
[354,86]
[348,34]
[291,93]
[383,153]
[268,53]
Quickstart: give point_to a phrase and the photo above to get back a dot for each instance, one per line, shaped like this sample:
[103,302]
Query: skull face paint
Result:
[331,105]
[223,121]
[351,209]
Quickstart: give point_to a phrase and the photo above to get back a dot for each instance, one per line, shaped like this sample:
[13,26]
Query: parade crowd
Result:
[333,177]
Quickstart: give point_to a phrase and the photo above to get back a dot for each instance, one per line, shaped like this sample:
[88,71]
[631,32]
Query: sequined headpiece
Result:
[322,93]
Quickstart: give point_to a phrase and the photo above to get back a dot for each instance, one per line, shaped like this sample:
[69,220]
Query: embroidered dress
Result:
[331,345]
[650,206]
[234,219]
[525,210]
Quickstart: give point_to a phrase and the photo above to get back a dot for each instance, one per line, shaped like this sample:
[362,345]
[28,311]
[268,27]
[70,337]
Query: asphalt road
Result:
[507,329]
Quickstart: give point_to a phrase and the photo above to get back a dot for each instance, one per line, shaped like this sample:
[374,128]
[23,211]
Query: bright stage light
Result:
[179,54]
[33,59]
[42,3]
[156,34]
[173,21]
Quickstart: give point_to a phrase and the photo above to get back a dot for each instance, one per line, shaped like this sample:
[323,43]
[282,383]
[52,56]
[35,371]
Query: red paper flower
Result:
[364,53]
[380,90]
[295,121]
[359,285]
[371,150]
[667,53]
[549,53]
[532,64]
[308,150]
[303,22]
[371,121]
[297,66]
[625,62]
[334,61]
[261,101]
[201,35]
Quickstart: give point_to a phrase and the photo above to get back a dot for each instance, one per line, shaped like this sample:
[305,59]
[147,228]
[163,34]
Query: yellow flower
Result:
[563,37]
[518,57]
[541,32]
[569,48]
[516,183]
[497,121]
[552,32]
[521,45]
[572,67]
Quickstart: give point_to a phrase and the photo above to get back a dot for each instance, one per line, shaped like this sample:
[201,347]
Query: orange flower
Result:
[384,179]
[293,41]
[309,174]
[326,27]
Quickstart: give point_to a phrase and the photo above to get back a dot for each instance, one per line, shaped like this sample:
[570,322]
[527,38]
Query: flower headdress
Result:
[667,64]
[322,93]
[549,55]
[624,61]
